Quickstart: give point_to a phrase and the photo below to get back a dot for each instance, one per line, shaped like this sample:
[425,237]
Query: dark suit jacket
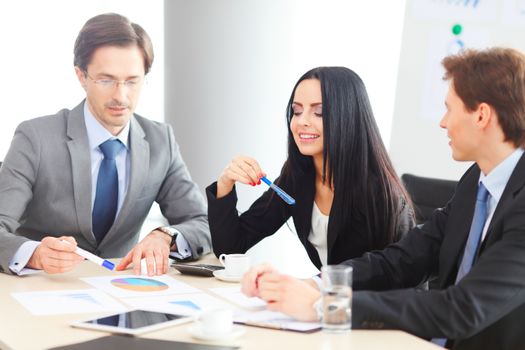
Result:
[232,233]
[45,187]
[486,309]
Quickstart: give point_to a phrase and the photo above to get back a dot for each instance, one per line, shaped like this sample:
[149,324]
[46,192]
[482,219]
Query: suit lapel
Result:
[78,146]
[515,184]
[331,235]
[139,152]
[303,210]
[458,227]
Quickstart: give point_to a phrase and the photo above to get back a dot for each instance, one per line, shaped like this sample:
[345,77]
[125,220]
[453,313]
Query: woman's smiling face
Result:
[307,121]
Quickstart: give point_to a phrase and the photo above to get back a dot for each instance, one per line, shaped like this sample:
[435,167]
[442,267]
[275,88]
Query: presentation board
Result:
[432,30]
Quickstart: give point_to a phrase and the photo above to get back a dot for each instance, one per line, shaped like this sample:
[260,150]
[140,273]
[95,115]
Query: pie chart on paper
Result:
[139,284]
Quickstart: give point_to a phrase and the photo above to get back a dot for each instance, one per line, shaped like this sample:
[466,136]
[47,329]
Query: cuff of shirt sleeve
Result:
[318,281]
[183,247]
[18,262]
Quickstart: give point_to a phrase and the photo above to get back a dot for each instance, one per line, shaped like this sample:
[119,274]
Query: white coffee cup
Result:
[235,265]
[215,322]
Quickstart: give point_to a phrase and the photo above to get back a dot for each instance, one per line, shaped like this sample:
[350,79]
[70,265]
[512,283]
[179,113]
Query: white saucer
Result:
[221,274]
[197,332]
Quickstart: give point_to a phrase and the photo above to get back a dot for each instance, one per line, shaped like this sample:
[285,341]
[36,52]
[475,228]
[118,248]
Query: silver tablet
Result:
[133,322]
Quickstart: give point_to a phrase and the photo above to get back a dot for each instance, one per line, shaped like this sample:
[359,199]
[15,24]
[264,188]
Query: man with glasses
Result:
[87,177]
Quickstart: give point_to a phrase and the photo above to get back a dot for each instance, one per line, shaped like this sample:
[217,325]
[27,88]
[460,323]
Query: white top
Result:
[319,233]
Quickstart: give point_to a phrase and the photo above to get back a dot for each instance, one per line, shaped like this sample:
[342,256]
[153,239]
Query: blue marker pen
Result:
[285,196]
[93,258]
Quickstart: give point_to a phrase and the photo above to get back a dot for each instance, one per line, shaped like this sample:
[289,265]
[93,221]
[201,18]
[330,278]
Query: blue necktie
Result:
[474,238]
[106,197]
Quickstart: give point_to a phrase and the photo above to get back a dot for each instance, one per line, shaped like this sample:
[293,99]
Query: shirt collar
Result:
[97,134]
[497,179]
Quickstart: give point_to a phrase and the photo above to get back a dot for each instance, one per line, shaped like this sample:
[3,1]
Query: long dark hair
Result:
[367,190]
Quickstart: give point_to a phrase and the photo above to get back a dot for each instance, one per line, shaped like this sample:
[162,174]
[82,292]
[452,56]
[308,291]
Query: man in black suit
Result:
[480,302]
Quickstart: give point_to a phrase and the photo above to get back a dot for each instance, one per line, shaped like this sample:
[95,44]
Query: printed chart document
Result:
[285,252]
[235,296]
[123,286]
[255,313]
[274,320]
[68,302]
[187,304]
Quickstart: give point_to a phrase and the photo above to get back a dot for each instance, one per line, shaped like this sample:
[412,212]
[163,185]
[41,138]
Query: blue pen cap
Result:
[266,181]
[285,196]
[108,265]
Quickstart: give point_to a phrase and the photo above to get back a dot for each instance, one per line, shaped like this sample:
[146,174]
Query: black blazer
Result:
[232,233]
[486,309]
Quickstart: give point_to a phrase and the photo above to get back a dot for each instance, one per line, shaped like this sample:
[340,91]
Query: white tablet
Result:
[133,322]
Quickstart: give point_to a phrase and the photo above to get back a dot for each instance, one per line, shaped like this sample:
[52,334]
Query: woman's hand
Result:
[241,169]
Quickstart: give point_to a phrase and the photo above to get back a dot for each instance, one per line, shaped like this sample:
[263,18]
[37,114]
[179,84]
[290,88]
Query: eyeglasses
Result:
[110,84]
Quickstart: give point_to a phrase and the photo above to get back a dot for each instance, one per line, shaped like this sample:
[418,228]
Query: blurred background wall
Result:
[224,69]
[231,66]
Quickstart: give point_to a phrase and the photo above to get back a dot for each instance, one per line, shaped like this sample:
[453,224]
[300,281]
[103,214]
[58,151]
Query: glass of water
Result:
[337,297]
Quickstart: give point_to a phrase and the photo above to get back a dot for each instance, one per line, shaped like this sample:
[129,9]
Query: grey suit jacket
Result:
[486,309]
[45,187]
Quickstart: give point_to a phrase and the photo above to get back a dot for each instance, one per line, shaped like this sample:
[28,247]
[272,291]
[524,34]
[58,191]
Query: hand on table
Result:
[155,248]
[283,293]
[249,282]
[241,169]
[54,256]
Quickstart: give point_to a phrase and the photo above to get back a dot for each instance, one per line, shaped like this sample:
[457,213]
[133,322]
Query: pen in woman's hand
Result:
[285,196]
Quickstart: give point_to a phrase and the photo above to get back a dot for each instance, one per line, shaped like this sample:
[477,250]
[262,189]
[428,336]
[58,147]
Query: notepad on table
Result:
[275,320]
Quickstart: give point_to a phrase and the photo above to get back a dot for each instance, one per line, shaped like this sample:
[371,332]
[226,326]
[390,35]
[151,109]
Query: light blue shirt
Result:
[97,135]
[496,181]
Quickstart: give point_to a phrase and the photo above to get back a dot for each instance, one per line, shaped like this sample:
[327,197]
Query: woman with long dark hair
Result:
[349,199]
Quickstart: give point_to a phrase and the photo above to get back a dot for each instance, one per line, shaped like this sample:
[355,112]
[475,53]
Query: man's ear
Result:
[81,77]
[485,114]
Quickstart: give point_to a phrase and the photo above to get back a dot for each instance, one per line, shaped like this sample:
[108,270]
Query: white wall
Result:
[37,57]
[231,66]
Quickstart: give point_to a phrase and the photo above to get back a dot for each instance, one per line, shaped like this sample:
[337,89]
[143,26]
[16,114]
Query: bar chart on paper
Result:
[67,301]
[186,304]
